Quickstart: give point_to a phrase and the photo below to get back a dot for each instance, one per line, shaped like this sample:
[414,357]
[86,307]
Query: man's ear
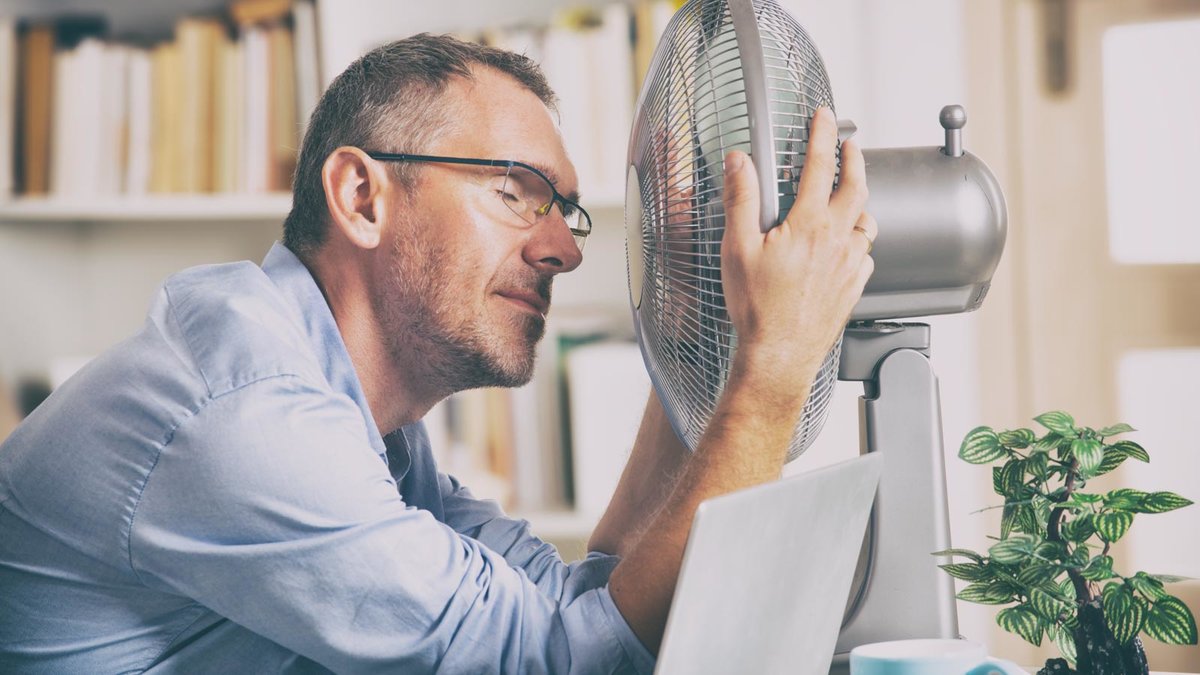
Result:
[354,187]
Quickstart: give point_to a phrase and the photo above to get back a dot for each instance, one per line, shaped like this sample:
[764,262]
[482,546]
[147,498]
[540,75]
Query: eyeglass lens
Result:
[530,197]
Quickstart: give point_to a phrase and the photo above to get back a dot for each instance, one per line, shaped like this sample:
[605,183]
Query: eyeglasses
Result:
[526,191]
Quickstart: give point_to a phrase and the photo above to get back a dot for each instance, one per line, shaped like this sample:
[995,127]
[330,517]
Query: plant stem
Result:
[1082,593]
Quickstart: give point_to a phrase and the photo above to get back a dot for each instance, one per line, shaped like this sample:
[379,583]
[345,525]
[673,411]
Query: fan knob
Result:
[953,119]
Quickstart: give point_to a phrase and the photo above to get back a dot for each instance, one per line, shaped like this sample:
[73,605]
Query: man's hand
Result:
[789,292]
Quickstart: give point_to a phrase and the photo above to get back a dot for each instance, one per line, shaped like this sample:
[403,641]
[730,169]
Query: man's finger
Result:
[851,194]
[742,209]
[820,162]
[868,230]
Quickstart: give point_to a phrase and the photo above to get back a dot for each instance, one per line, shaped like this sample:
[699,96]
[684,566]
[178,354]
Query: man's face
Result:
[467,284]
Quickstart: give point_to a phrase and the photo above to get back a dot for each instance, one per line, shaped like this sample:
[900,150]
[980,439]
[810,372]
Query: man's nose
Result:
[551,246]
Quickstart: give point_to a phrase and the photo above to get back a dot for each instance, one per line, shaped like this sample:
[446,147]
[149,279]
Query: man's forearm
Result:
[745,444]
[655,464]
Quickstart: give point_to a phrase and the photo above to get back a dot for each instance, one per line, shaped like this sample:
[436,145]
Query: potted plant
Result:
[1051,562]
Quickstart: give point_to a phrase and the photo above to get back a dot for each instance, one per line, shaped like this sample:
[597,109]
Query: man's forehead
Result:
[496,117]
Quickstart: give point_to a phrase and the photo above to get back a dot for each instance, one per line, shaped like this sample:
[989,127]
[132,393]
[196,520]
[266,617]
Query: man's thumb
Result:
[742,211]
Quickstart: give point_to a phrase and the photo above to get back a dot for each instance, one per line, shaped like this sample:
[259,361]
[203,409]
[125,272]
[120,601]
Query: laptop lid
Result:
[766,574]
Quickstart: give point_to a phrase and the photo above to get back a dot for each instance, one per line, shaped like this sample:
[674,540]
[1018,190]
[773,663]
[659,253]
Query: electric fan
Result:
[743,75]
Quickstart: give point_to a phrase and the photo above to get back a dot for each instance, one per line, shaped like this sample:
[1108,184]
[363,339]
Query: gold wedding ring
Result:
[870,241]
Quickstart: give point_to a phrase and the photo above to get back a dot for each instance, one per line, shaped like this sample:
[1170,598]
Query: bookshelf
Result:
[76,271]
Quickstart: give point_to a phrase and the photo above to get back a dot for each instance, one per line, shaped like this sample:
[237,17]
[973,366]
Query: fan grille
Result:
[693,110]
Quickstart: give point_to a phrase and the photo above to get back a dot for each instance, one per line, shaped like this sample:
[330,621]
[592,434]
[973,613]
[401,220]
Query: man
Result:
[245,484]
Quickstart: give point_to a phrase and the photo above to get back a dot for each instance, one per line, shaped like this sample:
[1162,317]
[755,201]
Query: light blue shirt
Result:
[212,495]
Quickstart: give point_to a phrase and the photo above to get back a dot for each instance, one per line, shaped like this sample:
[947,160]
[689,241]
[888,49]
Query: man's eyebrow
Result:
[550,174]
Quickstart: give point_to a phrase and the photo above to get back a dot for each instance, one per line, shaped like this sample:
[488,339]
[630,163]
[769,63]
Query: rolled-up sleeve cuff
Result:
[601,640]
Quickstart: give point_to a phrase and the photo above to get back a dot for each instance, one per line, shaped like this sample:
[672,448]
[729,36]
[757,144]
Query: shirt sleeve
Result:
[484,521]
[269,507]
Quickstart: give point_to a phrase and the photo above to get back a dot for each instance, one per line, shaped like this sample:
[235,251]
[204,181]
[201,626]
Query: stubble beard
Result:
[432,329]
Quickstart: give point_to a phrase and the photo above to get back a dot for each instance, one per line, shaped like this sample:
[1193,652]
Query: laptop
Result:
[766,574]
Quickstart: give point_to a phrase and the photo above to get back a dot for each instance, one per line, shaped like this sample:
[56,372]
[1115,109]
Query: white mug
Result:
[928,657]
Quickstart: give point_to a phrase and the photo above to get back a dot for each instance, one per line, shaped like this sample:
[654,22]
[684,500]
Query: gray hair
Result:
[389,100]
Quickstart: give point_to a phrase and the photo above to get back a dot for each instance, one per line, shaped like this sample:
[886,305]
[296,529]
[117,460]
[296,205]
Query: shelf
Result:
[163,208]
[189,208]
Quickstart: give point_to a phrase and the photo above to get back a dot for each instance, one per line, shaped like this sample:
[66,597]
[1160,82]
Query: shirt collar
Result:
[296,283]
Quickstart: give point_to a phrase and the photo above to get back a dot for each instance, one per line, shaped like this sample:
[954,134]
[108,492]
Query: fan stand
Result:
[900,592]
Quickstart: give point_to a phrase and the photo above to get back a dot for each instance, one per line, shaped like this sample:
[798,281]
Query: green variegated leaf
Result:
[1115,429]
[1017,438]
[1057,421]
[1086,498]
[1027,521]
[1038,466]
[1011,479]
[1012,550]
[967,571]
[981,446]
[1122,612]
[988,593]
[1112,459]
[1047,443]
[1161,502]
[960,552]
[1081,555]
[1148,586]
[1051,550]
[1170,621]
[1125,499]
[1008,584]
[1131,449]
[1098,569]
[1070,621]
[1064,639]
[1046,605]
[1112,526]
[1066,589]
[1171,578]
[1022,621]
[1007,520]
[1038,574]
[1089,453]
[1078,528]
[1014,478]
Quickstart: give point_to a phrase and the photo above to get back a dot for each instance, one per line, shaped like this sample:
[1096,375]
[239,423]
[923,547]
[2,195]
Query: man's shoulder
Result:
[236,325]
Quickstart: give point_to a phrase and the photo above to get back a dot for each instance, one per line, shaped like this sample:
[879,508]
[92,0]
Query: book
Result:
[249,12]
[283,129]
[73,149]
[307,59]
[113,137]
[79,143]
[607,387]
[228,121]
[140,114]
[565,62]
[8,105]
[610,78]
[36,95]
[198,39]
[255,148]
[166,152]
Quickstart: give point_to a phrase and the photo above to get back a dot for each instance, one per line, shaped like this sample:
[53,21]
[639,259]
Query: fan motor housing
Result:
[942,227]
